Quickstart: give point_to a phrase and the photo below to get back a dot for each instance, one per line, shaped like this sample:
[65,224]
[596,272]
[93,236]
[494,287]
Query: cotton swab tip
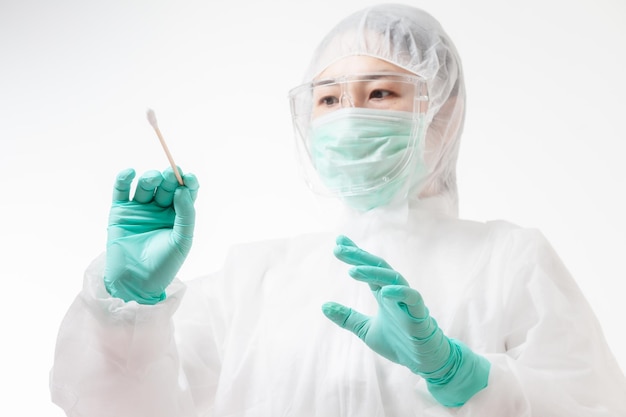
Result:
[152,118]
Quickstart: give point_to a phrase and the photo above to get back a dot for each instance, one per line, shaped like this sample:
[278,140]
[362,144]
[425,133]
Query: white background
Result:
[544,141]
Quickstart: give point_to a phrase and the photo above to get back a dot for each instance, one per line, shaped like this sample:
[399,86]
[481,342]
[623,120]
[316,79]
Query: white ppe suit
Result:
[251,340]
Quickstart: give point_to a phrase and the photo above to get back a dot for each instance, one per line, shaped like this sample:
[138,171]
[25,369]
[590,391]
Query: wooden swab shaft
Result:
[155,126]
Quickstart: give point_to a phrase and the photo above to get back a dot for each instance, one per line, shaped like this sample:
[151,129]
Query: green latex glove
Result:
[405,333]
[149,236]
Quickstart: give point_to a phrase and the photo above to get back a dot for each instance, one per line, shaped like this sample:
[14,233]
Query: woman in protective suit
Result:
[444,316]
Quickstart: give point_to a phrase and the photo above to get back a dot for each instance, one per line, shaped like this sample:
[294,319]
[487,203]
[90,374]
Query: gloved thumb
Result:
[191,182]
[185,219]
[347,318]
[184,198]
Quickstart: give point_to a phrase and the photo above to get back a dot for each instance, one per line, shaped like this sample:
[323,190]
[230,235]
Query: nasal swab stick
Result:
[153,121]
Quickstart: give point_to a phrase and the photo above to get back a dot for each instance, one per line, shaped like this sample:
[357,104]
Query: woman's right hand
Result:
[150,236]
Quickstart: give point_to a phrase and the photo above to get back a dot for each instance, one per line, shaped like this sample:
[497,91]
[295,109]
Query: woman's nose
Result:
[346,100]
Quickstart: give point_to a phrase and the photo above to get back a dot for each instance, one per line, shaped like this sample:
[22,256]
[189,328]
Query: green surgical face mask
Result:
[365,156]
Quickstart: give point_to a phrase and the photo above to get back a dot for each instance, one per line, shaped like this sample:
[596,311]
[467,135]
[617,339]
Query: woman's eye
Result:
[380,94]
[328,100]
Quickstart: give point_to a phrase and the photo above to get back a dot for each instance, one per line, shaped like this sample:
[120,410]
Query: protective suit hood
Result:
[413,40]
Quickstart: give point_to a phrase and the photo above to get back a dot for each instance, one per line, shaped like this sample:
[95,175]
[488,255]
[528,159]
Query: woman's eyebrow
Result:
[369,77]
[324,82]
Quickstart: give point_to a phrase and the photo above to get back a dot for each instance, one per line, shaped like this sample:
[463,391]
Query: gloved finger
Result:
[121,188]
[164,195]
[146,185]
[344,241]
[347,318]
[353,255]
[408,299]
[191,182]
[185,219]
[377,277]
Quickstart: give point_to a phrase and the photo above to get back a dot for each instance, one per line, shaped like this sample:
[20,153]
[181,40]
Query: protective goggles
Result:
[382,90]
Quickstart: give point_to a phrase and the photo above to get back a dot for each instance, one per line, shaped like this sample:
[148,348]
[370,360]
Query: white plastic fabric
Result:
[251,340]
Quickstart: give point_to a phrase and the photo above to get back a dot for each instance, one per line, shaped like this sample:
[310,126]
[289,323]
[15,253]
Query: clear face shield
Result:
[361,134]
